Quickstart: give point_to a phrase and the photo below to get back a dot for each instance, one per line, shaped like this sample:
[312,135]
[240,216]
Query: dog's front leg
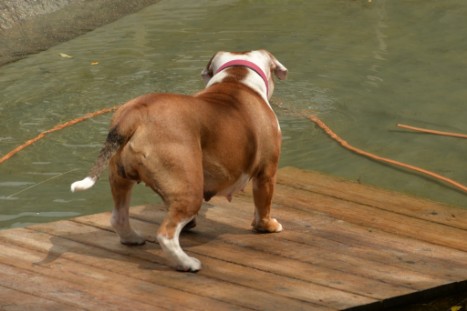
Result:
[263,189]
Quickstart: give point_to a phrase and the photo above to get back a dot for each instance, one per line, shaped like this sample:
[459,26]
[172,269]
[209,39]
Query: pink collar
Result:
[248,64]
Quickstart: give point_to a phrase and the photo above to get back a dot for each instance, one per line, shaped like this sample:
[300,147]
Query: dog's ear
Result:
[207,72]
[279,70]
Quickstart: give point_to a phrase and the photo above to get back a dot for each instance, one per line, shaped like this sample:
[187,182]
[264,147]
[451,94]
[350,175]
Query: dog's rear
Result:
[123,125]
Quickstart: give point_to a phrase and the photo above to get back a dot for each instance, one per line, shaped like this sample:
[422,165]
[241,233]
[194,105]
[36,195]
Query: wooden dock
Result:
[344,246]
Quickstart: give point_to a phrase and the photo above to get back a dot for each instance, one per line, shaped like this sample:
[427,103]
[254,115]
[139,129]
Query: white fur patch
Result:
[238,185]
[84,184]
[218,77]
[177,257]
[253,80]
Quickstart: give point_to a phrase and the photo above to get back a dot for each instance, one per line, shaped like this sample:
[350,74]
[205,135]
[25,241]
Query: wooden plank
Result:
[370,217]
[229,248]
[360,261]
[16,300]
[370,243]
[376,247]
[49,288]
[120,290]
[438,265]
[372,196]
[331,233]
[342,263]
[235,275]
[199,284]
[344,245]
[225,215]
[244,242]
[130,268]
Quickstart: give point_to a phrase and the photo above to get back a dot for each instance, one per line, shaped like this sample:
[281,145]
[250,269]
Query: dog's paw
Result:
[134,240]
[267,226]
[189,264]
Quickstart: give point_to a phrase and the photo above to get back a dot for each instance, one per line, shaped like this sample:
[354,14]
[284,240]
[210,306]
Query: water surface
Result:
[361,66]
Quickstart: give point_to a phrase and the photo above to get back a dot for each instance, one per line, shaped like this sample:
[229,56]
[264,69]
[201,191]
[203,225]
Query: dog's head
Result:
[260,61]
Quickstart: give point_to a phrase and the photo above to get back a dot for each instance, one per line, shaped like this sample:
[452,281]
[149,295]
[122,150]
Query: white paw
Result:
[279,226]
[189,264]
[177,258]
[269,226]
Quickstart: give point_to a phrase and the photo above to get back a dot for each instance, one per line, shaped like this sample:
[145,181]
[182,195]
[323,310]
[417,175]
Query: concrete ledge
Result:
[31,26]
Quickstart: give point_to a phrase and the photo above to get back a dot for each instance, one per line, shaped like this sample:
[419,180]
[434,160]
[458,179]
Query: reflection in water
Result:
[361,66]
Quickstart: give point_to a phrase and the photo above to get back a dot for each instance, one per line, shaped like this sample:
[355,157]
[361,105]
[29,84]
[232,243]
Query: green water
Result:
[361,66]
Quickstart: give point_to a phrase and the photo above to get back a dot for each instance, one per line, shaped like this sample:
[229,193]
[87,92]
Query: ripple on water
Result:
[58,214]
[15,183]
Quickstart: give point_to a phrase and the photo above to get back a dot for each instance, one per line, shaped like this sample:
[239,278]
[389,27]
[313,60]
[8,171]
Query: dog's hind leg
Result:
[120,220]
[183,208]
[168,237]
[263,188]
[183,196]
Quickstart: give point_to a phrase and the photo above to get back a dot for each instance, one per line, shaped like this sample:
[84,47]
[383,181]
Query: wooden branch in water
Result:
[346,145]
[428,131]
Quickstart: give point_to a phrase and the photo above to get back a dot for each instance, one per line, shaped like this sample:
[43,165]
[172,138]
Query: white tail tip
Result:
[84,184]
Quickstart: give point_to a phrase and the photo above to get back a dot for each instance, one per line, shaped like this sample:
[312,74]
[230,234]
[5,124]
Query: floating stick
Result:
[428,131]
[54,129]
[313,118]
[346,145]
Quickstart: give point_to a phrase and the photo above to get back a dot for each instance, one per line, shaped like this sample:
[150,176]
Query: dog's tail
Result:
[113,142]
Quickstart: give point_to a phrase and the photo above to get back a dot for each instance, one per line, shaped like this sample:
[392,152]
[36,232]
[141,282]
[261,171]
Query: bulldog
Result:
[189,148]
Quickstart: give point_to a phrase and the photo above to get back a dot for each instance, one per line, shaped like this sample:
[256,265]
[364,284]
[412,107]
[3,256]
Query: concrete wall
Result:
[31,26]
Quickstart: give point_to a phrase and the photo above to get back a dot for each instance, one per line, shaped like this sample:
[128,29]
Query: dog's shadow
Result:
[101,243]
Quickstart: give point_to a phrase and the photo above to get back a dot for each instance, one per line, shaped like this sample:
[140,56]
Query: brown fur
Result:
[190,148]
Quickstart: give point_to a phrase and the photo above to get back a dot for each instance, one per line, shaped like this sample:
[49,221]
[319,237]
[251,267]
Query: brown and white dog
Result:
[190,148]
